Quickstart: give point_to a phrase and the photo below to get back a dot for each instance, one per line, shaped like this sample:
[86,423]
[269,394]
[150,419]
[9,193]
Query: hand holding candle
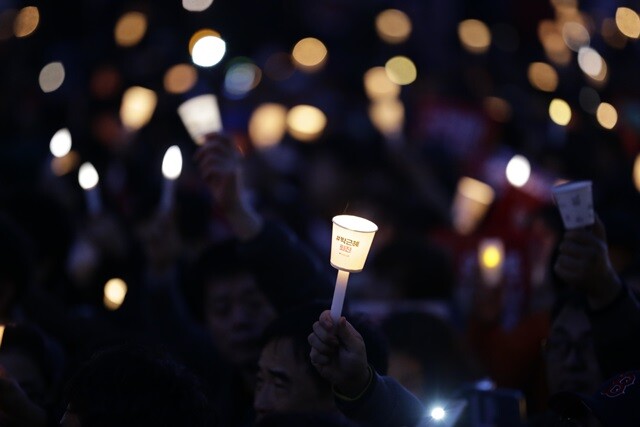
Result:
[171,169]
[88,179]
[351,241]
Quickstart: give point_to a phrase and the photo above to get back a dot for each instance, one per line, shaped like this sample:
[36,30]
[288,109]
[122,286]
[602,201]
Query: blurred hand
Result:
[583,262]
[16,409]
[339,354]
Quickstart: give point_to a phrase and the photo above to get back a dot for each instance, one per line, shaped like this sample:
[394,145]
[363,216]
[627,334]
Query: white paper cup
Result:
[352,238]
[201,116]
[575,202]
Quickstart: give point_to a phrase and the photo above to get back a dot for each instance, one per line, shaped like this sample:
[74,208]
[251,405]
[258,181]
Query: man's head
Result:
[134,386]
[571,361]
[226,298]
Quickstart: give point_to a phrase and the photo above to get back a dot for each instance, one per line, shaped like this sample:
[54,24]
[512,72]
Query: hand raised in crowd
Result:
[583,263]
[220,164]
[339,354]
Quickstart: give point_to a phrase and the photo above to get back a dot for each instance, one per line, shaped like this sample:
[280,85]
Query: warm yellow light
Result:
[575,35]
[543,76]
[268,125]
[401,70]
[309,54]
[115,291]
[61,166]
[137,107]
[207,48]
[560,112]
[491,260]
[1,334]
[172,162]
[378,85]
[393,26]
[553,43]
[387,115]
[26,22]
[60,143]
[180,78]
[51,77]
[130,29]
[636,172]
[628,22]
[474,35]
[607,115]
[491,256]
[470,204]
[518,171]
[196,5]
[602,75]
[306,123]
[88,177]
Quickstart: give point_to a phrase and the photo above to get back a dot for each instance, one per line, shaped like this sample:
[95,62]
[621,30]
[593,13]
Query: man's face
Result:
[236,313]
[570,355]
[285,383]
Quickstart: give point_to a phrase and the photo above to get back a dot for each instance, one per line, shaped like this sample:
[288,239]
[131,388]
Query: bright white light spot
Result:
[208,51]
[88,176]
[590,61]
[438,413]
[115,290]
[518,171]
[51,77]
[60,143]
[172,162]
[196,5]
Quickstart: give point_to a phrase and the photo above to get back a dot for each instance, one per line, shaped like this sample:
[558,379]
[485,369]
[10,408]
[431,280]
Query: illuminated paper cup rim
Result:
[355,223]
[570,186]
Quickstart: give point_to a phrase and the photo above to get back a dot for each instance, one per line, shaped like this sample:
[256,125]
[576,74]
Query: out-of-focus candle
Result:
[88,179]
[115,290]
[171,169]
[1,334]
[491,260]
[200,116]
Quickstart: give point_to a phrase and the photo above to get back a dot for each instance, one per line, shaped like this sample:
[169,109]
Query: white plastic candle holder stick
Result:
[338,295]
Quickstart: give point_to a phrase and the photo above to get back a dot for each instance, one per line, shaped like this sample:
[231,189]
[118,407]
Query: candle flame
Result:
[88,176]
[172,162]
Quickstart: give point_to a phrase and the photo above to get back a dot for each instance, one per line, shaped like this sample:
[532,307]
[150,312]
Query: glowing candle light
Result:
[491,260]
[60,144]
[88,179]
[115,291]
[350,244]
[201,116]
[171,169]
[138,105]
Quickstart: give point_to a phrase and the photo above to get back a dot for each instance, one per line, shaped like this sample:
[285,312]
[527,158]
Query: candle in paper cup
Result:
[575,202]
[88,179]
[171,169]
[351,240]
[200,116]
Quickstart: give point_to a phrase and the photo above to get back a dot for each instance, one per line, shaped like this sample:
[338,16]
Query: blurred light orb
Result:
[590,61]
[542,76]
[115,291]
[172,162]
[589,99]
[88,176]
[137,107]
[560,112]
[401,70]
[196,5]
[61,166]
[491,256]
[268,125]
[387,115]
[241,78]
[180,78]
[60,143]
[518,171]
[474,35]
[393,26]
[26,21]
[51,77]
[306,123]
[575,35]
[607,115]
[628,22]
[208,51]
[497,109]
[130,29]
[378,85]
[438,413]
[309,54]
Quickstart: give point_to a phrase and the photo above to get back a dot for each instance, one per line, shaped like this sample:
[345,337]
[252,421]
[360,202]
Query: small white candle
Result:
[339,294]
[171,169]
[88,179]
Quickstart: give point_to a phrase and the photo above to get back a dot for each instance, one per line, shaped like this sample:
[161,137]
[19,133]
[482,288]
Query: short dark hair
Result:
[131,385]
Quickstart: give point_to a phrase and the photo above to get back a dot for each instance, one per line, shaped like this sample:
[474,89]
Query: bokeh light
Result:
[26,21]
[636,172]
[628,22]
[51,77]
[575,35]
[180,78]
[437,413]
[553,43]
[607,115]
[590,61]
[518,170]
[393,26]
[88,176]
[309,54]
[137,107]
[115,291]
[474,35]
[560,112]
[242,77]
[401,70]
[542,76]
[378,85]
[130,29]
[387,115]
[196,5]
[172,162]
[491,256]
[267,125]
[61,166]
[207,48]
[306,123]
[60,143]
